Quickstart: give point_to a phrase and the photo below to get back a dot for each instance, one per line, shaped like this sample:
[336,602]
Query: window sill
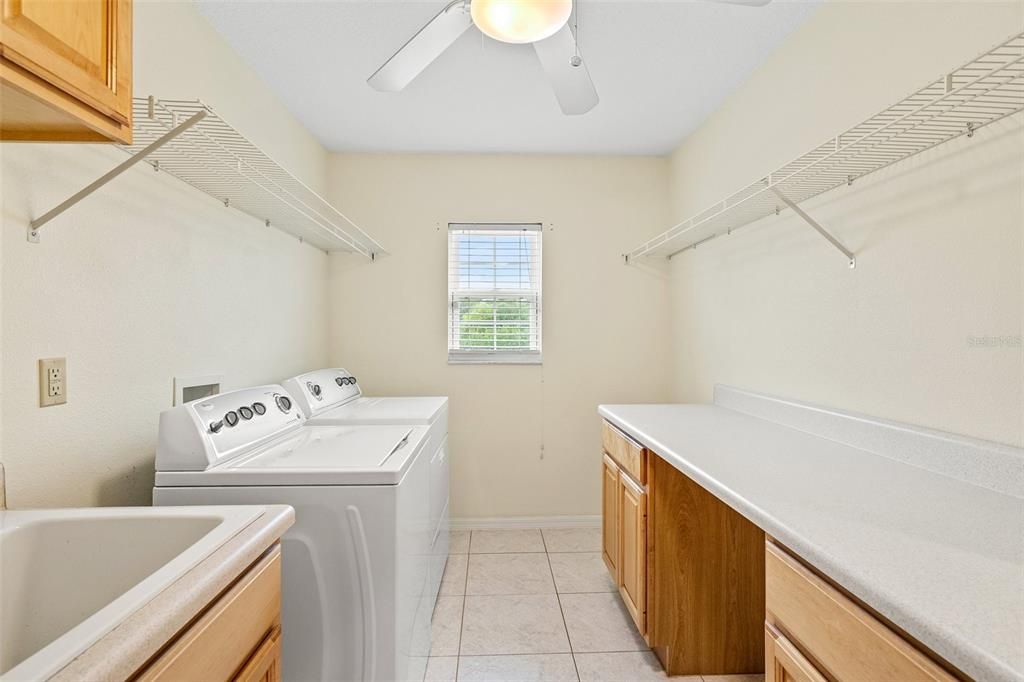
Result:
[495,359]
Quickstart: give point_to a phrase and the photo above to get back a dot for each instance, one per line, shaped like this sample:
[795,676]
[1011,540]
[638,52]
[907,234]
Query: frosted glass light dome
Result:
[520,21]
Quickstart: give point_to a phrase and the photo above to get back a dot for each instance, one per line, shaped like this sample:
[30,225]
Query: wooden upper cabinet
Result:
[66,70]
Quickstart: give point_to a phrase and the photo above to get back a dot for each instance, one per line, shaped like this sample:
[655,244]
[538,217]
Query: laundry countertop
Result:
[941,557]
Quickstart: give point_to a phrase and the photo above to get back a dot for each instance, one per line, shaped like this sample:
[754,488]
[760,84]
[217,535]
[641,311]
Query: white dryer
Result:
[355,564]
[333,397]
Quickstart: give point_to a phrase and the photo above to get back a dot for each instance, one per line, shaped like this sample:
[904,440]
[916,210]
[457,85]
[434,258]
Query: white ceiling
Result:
[660,67]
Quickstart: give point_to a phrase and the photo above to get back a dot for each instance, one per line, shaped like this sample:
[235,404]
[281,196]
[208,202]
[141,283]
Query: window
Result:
[494,298]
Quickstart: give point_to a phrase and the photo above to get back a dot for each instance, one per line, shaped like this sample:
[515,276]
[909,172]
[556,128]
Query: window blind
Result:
[494,292]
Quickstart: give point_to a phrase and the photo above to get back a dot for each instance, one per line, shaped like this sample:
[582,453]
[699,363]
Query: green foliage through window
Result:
[494,324]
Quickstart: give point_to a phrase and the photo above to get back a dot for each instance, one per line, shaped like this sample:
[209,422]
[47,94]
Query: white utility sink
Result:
[70,576]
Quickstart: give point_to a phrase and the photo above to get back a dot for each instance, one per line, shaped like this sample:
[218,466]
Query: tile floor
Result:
[537,605]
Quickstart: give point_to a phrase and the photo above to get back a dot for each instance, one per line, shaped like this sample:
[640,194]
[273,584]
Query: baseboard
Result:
[513,522]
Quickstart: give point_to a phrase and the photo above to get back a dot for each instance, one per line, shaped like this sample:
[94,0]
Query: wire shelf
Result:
[215,158]
[982,91]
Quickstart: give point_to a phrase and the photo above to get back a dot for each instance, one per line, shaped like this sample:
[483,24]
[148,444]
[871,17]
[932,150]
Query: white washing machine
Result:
[356,562]
[332,397]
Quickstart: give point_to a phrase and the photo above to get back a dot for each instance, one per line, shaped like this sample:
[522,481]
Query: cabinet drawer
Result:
[219,644]
[845,641]
[629,454]
[265,664]
[783,662]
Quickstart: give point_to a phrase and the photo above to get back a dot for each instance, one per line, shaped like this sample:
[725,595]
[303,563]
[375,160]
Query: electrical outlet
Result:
[53,381]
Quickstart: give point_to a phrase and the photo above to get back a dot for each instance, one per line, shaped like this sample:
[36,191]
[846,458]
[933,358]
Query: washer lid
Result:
[422,410]
[317,455]
[339,447]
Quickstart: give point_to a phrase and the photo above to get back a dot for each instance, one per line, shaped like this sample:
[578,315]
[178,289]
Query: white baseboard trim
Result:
[514,522]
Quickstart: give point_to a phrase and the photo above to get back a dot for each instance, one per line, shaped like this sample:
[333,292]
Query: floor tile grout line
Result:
[524,594]
[462,615]
[546,551]
[548,653]
[561,611]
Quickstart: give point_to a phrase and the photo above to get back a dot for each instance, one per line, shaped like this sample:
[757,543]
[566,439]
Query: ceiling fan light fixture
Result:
[520,21]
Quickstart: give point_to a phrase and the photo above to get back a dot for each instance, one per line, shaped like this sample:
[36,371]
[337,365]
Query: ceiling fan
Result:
[545,23]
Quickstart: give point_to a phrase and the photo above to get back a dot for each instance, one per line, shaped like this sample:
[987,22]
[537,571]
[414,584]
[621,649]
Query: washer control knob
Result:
[231,418]
[352,380]
[259,408]
[245,411]
[284,403]
[341,381]
[216,426]
[317,390]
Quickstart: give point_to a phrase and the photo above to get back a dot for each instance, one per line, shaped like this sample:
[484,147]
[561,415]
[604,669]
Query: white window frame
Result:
[496,357]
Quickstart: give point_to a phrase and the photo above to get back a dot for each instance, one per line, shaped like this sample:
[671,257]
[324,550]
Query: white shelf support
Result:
[960,103]
[817,226]
[33,228]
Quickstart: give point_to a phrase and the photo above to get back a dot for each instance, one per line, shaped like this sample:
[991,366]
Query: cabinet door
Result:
[783,662]
[633,553]
[610,517]
[82,47]
[265,663]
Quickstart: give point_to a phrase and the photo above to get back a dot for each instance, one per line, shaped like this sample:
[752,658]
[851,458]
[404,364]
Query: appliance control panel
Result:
[202,433]
[323,389]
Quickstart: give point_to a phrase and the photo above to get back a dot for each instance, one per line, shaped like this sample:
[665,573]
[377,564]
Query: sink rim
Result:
[56,654]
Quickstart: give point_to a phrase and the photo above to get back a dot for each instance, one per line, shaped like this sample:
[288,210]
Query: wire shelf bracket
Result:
[850,257]
[961,102]
[35,225]
[188,140]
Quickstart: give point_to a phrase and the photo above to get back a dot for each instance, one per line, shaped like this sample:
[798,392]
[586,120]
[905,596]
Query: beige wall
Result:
[773,307]
[524,439]
[145,280]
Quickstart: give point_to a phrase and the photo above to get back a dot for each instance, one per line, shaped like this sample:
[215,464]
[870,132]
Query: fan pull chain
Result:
[576,60]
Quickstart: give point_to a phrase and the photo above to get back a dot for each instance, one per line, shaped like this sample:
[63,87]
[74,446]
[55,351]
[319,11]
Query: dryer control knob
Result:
[216,426]
[284,403]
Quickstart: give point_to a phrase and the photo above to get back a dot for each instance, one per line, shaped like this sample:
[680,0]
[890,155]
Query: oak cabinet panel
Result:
[610,517]
[844,639]
[265,664]
[633,554]
[783,662]
[630,455]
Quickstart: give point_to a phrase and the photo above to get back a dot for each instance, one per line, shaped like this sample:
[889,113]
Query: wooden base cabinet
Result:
[624,520]
[237,637]
[814,632]
[690,569]
[66,70]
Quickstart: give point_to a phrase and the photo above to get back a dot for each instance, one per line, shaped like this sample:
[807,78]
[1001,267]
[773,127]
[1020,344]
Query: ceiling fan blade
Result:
[572,85]
[422,49]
